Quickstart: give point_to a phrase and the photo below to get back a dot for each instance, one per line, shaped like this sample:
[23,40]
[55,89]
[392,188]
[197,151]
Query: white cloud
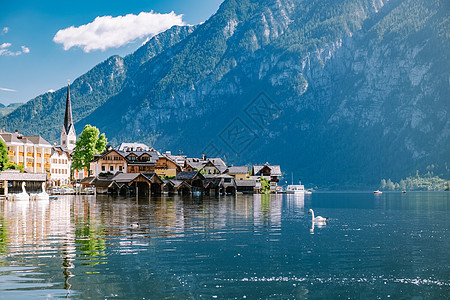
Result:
[5,30]
[7,90]
[108,32]
[5,51]
[25,49]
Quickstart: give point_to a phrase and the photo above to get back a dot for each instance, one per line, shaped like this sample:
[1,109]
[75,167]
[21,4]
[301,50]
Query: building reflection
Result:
[82,231]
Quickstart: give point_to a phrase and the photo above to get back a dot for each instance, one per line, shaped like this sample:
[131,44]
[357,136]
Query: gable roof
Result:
[15,175]
[126,147]
[189,175]
[18,139]
[246,183]
[105,153]
[275,170]
[237,170]
[125,177]
[179,183]
[178,159]
[88,180]
[105,183]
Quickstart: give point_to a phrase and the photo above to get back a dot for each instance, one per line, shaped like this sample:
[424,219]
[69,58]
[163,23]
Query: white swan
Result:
[42,195]
[21,196]
[317,219]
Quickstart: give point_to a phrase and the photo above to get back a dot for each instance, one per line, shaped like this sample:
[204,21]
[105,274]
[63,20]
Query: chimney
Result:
[203,156]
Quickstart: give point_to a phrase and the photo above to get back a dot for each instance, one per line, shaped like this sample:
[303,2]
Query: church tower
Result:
[68,135]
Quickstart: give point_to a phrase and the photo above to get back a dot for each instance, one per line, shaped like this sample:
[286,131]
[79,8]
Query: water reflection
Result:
[186,246]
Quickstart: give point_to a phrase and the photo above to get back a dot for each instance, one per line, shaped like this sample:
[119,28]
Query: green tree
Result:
[265,186]
[12,166]
[4,158]
[89,143]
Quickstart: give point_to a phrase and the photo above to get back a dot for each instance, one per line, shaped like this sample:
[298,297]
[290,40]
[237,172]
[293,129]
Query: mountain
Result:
[7,109]
[338,92]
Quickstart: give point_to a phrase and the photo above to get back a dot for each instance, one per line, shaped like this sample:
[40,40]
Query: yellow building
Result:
[238,172]
[32,152]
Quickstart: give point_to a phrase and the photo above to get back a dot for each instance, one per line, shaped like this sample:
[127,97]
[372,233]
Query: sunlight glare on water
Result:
[248,246]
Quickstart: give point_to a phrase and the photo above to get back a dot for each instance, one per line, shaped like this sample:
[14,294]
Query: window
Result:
[111,168]
[103,168]
[120,168]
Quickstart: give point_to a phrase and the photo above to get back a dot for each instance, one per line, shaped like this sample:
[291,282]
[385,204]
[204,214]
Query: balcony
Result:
[30,154]
[47,155]
[38,154]
[29,164]
[38,165]
[46,165]
[20,153]
[10,152]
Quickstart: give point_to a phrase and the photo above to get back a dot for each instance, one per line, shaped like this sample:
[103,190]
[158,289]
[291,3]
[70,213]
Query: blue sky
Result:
[34,61]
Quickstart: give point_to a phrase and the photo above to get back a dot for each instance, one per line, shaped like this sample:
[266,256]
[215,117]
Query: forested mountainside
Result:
[337,92]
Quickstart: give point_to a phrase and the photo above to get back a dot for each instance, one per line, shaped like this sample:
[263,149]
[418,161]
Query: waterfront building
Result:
[270,172]
[111,161]
[166,167]
[60,163]
[205,165]
[31,152]
[238,172]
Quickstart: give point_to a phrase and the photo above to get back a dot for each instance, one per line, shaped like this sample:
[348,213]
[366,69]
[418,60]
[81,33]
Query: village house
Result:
[31,152]
[111,161]
[270,172]
[60,166]
[238,172]
[141,161]
[205,165]
[166,167]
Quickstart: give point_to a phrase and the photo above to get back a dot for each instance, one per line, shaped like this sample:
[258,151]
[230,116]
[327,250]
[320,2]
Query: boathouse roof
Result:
[15,175]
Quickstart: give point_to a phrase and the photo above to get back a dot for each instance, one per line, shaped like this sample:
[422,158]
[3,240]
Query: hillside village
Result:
[127,169]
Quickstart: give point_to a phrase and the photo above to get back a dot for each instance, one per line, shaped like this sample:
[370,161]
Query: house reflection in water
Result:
[77,233]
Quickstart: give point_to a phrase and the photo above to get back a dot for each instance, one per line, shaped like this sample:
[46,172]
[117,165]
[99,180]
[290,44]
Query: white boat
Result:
[296,189]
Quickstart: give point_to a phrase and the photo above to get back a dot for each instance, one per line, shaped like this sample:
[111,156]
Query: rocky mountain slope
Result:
[338,92]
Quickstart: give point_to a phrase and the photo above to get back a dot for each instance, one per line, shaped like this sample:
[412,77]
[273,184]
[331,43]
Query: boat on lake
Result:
[296,189]
[378,192]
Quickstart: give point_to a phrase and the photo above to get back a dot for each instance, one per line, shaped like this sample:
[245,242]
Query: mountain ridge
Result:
[357,89]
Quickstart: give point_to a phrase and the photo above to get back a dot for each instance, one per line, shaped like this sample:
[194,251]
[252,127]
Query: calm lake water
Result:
[255,247]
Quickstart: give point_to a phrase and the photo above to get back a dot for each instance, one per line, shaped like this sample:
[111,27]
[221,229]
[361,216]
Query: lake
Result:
[250,246]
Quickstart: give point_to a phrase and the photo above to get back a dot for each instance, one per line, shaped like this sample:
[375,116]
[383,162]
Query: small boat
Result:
[296,189]
[378,192]
[403,192]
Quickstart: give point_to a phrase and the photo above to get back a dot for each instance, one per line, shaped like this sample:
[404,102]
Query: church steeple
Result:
[68,122]
[68,136]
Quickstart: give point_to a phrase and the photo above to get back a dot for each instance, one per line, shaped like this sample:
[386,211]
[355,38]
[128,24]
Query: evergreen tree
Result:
[89,143]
